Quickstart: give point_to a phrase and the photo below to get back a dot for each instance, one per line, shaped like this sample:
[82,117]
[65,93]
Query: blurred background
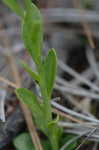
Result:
[72,28]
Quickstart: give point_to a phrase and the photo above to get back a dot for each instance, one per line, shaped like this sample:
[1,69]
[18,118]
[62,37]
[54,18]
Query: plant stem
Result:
[27,4]
[46,98]
[47,108]
[54,142]
[46,101]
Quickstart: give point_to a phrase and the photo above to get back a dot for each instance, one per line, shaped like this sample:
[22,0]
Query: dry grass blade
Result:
[90,57]
[31,127]
[77,105]
[88,74]
[91,132]
[76,75]
[77,92]
[72,141]
[85,25]
[88,33]
[74,125]
[63,82]
[67,116]
[73,113]
[57,15]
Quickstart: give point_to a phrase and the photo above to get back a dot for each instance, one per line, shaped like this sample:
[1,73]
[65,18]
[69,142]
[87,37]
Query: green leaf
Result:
[46,144]
[50,66]
[33,75]
[14,6]
[53,122]
[23,142]
[36,14]
[32,33]
[30,99]
[54,136]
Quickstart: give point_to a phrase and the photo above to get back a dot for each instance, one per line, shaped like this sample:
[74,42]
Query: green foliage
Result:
[50,65]
[33,75]
[32,34]
[28,5]
[27,97]
[23,142]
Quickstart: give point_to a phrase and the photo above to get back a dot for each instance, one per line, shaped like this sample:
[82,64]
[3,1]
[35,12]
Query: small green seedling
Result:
[32,35]
[46,68]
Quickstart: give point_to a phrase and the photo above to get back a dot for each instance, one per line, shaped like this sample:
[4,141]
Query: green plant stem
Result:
[48,110]
[46,101]
[27,4]
[54,143]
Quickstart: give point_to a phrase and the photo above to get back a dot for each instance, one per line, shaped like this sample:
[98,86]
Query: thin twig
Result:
[9,83]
